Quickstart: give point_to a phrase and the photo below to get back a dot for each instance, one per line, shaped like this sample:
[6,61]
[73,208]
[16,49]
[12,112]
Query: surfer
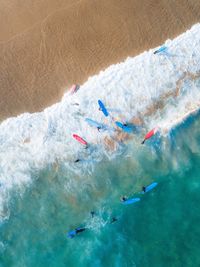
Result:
[144,189]
[156,52]
[92,213]
[79,230]
[123,198]
[99,128]
[114,219]
[77,160]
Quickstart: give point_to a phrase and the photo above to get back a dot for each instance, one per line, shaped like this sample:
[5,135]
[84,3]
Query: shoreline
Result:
[73,44]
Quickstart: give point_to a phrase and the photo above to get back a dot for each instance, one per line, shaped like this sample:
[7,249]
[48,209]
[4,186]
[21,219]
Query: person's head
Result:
[144,189]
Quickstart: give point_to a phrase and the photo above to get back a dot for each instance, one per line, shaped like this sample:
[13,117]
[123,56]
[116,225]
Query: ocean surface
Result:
[44,193]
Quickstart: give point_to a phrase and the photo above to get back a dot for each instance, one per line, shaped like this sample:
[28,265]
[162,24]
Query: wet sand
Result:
[46,46]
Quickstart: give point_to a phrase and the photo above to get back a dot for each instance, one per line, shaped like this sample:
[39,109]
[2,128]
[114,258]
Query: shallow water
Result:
[160,230]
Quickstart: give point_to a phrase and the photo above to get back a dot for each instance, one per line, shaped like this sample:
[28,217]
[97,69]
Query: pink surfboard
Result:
[79,139]
[74,88]
[150,134]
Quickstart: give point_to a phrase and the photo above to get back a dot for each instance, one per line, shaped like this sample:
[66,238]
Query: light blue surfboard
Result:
[161,49]
[93,123]
[150,187]
[126,129]
[131,201]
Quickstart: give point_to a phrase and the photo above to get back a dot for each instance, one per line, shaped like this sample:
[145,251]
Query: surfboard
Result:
[150,134]
[103,108]
[131,201]
[150,187]
[79,139]
[71,234]
[161,49]
[74,88]
[126,129]
[93,123]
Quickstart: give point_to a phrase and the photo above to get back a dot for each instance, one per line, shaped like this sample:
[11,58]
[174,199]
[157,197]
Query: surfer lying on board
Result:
[77,160]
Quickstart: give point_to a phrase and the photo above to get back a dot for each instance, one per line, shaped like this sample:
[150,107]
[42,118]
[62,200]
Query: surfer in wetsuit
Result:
[123,198]
[77,160]
[144,189]
[114,219]
[92,213]
[156,52]
[79,230]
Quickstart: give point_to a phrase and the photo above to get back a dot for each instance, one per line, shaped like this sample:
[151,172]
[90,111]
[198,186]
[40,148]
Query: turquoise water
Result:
[160,230]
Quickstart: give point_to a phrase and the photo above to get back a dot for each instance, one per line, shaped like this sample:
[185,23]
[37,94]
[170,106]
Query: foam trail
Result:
[158,90]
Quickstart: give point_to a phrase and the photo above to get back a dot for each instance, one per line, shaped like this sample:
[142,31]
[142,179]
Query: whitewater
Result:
[148,90]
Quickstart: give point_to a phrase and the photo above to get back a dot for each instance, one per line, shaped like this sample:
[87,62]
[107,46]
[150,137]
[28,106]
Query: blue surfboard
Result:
[103,108]
[131,201]
[126,129]
[150,187]
[71,234]
[161,49]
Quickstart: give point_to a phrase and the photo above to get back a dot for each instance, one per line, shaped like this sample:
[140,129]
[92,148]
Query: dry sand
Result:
[45,46]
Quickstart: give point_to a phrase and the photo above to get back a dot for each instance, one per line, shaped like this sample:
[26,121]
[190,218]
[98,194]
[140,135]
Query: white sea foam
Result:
[162,89]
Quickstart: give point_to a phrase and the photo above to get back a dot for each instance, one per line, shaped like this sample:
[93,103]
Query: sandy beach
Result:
[47,46]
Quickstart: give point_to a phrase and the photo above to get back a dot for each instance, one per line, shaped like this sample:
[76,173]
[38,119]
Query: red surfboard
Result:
[150,134]
[74,88]
[79,139]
